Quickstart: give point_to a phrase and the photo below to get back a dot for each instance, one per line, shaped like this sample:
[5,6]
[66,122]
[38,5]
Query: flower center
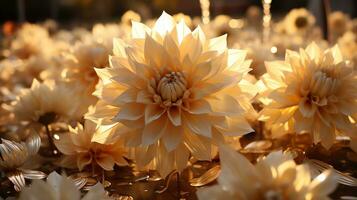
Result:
[273,195]
[172,86]
[48,118]
[301,22]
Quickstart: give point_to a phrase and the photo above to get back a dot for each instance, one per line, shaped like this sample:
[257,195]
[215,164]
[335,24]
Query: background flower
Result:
[47,102]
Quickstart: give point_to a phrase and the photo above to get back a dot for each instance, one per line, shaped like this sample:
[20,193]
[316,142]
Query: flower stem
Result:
[103,177]
[178,185]
[50,139]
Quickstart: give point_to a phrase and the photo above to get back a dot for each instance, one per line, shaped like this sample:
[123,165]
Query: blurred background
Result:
[69,12]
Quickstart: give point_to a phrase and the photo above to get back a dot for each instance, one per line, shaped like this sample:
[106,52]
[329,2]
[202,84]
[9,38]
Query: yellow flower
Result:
[276,176]
[129,16]
[186,18]
[80,62]
[15,160]
[313,91]
[176,92]
[59,187]
[338,23]
[298,21]
[348,46]
[31,40]
[46,102]
[80,149]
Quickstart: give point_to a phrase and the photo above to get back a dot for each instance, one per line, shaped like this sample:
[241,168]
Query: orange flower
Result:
[176,91]
[80,149]
[46,102]
[312,91]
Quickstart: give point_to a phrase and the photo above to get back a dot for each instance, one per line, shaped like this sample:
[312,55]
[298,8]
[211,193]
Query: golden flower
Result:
[298,21]
[354,26]
[254,15]
[46,102]
[313,91]
[79,64]
[81,150]
[104,33]
[176,92]
[58,187]
[186,18]
[223,24]
[275,176]
[338,23]
[348,46]
[31,40]
[15,160]
[129,16]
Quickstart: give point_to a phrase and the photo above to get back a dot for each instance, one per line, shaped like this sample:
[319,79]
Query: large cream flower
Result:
[313,91]
[80,150]
[58,187]
[276,176]
[175,91]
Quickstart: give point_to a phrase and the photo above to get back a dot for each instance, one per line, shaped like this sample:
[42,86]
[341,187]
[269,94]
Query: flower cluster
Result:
[174,95]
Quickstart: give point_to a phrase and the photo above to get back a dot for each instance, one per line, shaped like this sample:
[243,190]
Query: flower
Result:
[15,160]
[254,16]
[338,23]
[275,176]
[80,149]
[129,16]
[31,40]
[313,91]
[59,187]
[298,21]
[46,102]
[170,92]
[186,18]
[348,46]
[79,64]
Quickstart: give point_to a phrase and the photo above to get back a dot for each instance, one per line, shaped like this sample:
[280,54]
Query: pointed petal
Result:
[172,137]
[153,112]
[200,107]
[105,161]
[174,114]
[139,30]
[18,179]
[182,156]
[33,143]
[65,144]
[234,167]
[199,124]
[324,184]
[153,131]
[131,111]
[165,23]
[83,160]
[96,192]
[33,174]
